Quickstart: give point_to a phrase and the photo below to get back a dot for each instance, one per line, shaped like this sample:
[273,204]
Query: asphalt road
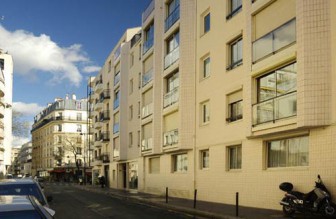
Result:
[70,202]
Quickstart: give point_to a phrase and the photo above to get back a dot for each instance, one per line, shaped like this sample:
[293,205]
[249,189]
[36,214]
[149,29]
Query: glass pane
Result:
[240,50]
[262,47]
[286,79]
[206,69]
[285,106]
[266,87]
[207,23]
[284,35]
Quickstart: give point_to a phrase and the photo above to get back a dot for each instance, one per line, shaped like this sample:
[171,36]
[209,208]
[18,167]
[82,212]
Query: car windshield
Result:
[20,214]
[22,189]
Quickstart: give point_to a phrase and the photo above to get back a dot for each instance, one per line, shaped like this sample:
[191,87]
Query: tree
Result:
[69,145]
[20,126]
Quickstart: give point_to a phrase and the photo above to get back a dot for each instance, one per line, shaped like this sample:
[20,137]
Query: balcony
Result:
[170,138]
[148,11]
[147,110]
[115,128]
[99,86]
[274,41]
[148,44]
[171,97]
[274,109]
[105,95]
[146,144]
[97,161]
[105,157]
[116,78]
[105,115]
[98,106]
[147,77]
[172,57]
[105,136]
[97,125]
[172,18]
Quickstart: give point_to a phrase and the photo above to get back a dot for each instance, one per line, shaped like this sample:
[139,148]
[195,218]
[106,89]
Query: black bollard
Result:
[237,203]
[166,194]
[195,197]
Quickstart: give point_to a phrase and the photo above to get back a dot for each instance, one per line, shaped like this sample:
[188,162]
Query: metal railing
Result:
[171,97]
[170,137]
[273,109]
[106,94]
[172,57]
[148,44]
[146,144]
[105,115]
[116,78]
[105,136]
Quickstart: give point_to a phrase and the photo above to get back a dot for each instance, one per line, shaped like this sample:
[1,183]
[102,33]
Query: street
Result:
[70,202]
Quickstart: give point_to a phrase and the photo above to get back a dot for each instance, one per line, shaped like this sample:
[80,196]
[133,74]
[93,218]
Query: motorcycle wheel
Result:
[288,210]
[329,210]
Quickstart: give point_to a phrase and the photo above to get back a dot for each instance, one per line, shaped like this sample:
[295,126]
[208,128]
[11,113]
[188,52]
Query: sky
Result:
[57,45]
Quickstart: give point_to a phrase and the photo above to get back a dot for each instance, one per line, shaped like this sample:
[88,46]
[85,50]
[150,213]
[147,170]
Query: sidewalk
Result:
[203,209]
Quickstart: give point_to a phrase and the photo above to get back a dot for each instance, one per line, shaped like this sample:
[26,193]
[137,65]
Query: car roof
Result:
[17,181]
[15,203]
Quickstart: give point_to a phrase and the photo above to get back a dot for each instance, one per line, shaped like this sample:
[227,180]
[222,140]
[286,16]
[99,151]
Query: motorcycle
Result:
[318,201]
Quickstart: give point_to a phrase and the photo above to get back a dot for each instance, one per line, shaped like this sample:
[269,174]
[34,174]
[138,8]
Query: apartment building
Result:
[58,140]
[229,102]
[6,93]
[115,112]
[25,159]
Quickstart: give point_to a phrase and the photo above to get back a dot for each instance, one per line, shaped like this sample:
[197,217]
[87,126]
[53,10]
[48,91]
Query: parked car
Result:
[24,186]
[9,176]
[23,207]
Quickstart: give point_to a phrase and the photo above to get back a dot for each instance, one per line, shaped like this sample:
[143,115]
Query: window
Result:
[173,13]
[131,59]
[131,86]
[235,7]
[180,163]
[235,111]
[206,67]
[205,112]
[131,112]
[2,64]
[59,139]
[148,38]
[130,139]
[109,66]
[288,152]
[78,150]
[154,165]
[276,95]
[59,128]
[206,20]
[173,42]
[79,128]
[138,138]
[236,53]
[79,162]
[204,159]
[235,157]
[79,116]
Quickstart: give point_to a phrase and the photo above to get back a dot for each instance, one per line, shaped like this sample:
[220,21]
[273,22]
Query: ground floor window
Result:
[180,162]
[154,165]
[204,159]
[288,152]
[235,157]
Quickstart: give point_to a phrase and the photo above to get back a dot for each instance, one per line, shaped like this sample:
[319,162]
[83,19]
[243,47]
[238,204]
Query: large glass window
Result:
[235,157]
[180,163]
[173,42]
[288,152]
[236,53]
[173,13]
[235,7]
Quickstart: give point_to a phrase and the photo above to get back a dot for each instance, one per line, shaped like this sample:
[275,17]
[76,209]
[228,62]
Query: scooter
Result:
[318,201]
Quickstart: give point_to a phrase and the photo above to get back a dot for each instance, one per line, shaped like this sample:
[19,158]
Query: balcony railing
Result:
[116,78]
[146,144]
[105,157]
[148,44]
[105,136]
[170,138]
[171,97]
[147,110]
[147,77]
[106,94]
[172,18]
[148,11]
[277,108]
[172,57]
[105,115]
[274,41]
[115,128]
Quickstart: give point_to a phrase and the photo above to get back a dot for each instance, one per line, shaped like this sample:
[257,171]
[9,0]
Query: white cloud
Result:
[91,69]
[19,141]
[33,54]
[27,109]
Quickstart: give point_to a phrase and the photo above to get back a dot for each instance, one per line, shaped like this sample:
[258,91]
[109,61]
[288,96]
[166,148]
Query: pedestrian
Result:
[102,181]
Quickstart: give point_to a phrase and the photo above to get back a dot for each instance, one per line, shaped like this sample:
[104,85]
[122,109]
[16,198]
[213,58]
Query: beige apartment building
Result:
[59,148]
[235,96]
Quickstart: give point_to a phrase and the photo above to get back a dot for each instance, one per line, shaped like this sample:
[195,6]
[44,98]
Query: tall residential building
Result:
[58,139]
[25,159]
[6,93]
[116,105]
[235,96]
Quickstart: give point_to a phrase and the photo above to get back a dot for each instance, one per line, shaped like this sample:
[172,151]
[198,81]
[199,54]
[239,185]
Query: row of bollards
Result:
[195,200]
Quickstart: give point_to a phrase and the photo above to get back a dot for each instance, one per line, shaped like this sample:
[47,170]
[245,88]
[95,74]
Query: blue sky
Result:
[57,45]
